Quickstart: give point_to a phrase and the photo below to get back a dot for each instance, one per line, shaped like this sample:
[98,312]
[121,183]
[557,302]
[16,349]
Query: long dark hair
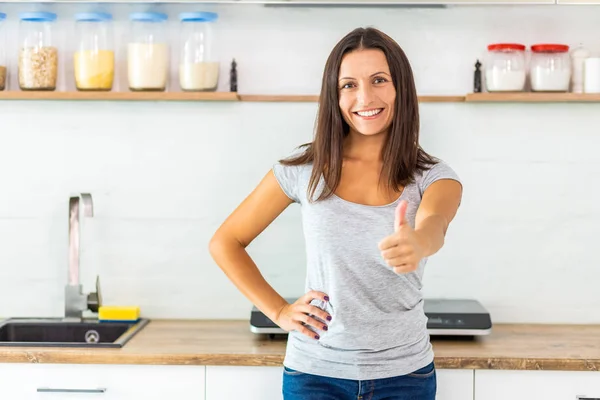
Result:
[401,153]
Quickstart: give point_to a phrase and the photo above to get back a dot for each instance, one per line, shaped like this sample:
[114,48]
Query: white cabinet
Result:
[157,382]
[454,384]
[106,382]
[542,385]
[264,383]
[243,382]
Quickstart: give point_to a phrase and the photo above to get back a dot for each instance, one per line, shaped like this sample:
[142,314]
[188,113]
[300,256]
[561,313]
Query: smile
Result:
[369,113]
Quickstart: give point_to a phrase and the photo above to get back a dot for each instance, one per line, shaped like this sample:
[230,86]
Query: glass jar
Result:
[198,65]
[505,69]
[591,79]
[550,69]
[94,57]
[38,54]
[2,52]
[148,52]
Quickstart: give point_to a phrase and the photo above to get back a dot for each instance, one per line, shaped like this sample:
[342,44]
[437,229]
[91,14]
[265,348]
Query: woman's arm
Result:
[228,245]
[228,249]
[437,209]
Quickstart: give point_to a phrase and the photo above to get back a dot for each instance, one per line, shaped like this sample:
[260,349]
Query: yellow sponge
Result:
[118,313]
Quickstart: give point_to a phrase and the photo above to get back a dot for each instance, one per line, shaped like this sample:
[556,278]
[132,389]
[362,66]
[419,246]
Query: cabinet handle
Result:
[49,390]
[586,398]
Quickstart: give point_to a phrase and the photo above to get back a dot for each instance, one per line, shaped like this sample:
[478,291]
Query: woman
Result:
[375,206]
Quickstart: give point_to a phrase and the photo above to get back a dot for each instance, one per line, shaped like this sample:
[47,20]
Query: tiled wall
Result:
[164,175]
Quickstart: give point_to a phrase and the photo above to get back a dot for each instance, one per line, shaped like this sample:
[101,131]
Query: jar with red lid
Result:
[505,67]
[550,69]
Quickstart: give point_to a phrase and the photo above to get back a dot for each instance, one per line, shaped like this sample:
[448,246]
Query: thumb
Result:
[400,215]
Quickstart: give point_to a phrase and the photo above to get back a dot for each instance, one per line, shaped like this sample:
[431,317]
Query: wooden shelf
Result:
[181,96]
[441,99]
[279,98]
[532,97]
[112,96]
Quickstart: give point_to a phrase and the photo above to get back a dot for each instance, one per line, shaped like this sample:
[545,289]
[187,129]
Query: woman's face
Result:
[366,92]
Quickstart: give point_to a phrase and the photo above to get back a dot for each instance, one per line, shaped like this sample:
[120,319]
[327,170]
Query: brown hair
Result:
[401,153]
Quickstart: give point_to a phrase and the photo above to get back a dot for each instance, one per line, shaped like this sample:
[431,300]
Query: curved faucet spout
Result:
[74,232]
[75,301]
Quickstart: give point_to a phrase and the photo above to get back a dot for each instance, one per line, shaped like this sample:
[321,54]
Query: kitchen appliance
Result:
[446,317]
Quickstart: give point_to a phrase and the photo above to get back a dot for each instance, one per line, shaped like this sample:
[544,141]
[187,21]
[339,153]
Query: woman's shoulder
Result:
[293,174]
[431,173]
[297,153]
[295,161]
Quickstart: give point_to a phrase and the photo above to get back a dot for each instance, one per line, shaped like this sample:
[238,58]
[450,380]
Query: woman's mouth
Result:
[369,114]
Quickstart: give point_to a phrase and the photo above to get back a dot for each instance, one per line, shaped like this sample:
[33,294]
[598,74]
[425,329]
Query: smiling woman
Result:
[368,97]
[375,206]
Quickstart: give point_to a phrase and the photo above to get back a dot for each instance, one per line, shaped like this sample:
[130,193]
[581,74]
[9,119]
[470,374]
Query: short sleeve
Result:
[288,178]
[440,170]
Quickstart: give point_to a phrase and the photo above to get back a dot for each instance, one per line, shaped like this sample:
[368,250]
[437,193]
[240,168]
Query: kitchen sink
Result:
[72,330]
[60,332]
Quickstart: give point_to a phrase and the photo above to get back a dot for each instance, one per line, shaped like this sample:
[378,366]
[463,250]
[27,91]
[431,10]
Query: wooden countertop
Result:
[204,342]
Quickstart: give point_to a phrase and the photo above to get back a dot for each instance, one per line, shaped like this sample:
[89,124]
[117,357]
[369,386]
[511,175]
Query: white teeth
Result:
[369,113]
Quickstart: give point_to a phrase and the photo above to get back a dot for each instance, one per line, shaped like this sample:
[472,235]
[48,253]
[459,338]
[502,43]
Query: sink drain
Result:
[92,336]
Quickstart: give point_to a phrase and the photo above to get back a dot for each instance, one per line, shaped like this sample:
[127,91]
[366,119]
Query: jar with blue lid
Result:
[38,52]
[198,64]
[94,56]
[3,69]
[148,52]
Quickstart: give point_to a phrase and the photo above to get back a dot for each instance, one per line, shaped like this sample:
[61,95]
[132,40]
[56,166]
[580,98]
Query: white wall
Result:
[165,175]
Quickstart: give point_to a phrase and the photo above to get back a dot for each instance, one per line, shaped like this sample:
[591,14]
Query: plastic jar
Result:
[198,67]
[550,69]
[148,52]
[38,54]
[3,69]
[94,58]
[505,68]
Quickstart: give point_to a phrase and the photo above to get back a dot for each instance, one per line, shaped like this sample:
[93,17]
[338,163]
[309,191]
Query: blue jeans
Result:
[418,385]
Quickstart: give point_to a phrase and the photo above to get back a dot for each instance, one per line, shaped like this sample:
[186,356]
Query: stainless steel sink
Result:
[60,332]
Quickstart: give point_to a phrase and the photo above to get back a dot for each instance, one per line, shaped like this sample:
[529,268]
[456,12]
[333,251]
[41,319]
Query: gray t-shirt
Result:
[378,327]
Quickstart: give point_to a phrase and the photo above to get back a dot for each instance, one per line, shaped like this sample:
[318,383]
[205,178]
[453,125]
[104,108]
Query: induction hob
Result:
[445,317]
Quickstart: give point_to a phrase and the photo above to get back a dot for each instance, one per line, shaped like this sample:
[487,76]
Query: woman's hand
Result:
[294,317]
[404,249]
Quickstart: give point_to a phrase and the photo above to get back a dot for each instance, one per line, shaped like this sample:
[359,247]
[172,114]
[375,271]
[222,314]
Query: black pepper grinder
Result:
[477,79]
[233,77]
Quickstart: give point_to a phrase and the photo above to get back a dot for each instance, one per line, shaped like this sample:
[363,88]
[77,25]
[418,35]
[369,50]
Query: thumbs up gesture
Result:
[402,250]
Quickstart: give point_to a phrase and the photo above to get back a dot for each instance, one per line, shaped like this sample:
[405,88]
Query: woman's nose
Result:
[365,95]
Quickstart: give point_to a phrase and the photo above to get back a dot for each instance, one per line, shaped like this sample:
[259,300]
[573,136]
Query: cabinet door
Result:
[106,382]
[243,382]
[454,384]
[527,385]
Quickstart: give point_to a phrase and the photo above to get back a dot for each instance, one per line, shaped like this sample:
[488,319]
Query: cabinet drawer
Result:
[527,385]
[103,382]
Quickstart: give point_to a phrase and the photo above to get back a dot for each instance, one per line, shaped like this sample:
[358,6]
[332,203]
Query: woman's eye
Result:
[380,80]
[347,86]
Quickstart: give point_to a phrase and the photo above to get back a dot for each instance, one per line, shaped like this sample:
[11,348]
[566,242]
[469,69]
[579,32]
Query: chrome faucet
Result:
[75,301]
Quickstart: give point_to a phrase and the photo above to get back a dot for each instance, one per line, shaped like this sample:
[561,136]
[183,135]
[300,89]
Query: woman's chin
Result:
[370,131]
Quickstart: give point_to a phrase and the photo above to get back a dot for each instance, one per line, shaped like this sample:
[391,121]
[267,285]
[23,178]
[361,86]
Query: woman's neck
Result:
[362,147]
